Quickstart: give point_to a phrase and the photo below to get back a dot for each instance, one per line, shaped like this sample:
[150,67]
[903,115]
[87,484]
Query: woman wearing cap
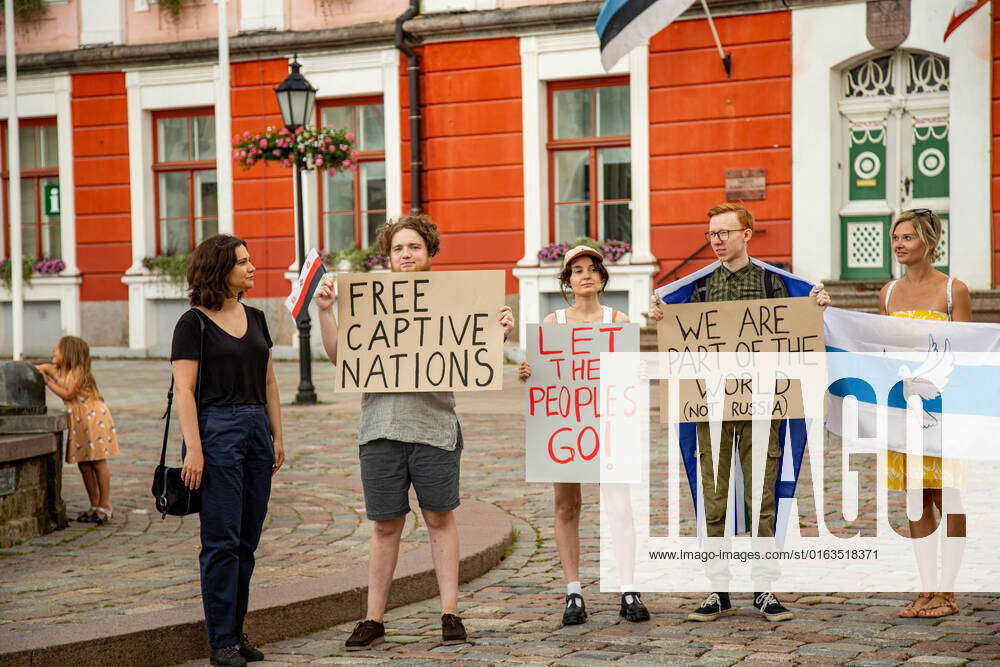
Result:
[584,274]
[924,293]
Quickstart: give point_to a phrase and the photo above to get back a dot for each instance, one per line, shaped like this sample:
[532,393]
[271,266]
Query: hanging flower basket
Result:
[320,149]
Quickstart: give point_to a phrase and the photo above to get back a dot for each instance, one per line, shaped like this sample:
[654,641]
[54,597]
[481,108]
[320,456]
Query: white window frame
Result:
[157,89]
[566,56]
[824,40]
[47,96]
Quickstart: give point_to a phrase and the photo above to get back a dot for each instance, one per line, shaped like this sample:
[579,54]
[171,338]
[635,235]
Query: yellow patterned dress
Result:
[938,472]
[92,434]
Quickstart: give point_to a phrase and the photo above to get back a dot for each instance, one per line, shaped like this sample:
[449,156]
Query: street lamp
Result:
[296,97]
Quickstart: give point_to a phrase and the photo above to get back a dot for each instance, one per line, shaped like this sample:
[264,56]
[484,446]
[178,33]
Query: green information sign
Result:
[50,199]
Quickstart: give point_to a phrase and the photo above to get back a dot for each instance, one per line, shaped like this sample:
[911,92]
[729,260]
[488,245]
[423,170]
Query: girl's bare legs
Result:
[102,474]
[568,502]
[90,482]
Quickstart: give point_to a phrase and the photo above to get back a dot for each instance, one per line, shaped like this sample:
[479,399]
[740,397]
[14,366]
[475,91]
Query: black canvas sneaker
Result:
[769,606]
[714,606]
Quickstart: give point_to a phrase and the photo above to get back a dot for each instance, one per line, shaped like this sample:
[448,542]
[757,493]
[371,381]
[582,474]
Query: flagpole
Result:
[14,169]
[727,58]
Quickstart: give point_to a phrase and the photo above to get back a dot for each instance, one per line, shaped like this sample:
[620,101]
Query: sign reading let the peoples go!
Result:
[695,337]
[420,331]
[563,433]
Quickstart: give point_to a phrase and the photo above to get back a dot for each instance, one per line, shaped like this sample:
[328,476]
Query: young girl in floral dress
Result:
[92,437]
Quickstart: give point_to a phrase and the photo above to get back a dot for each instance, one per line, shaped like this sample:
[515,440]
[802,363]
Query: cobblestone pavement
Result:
[512,612]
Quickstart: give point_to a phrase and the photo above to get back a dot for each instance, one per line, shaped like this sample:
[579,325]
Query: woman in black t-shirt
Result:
[232,432]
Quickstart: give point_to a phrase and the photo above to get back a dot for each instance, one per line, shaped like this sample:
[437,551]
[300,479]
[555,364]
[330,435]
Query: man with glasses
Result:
[730,228]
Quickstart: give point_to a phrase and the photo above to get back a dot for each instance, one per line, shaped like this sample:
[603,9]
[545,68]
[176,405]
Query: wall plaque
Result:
[746,184]
[887,23]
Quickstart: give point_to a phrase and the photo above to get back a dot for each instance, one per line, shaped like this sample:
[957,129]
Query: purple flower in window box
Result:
[51,265]
[613,250]
[553,252]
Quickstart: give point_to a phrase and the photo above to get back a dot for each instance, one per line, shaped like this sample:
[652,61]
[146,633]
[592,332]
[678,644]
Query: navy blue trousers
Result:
[235,487]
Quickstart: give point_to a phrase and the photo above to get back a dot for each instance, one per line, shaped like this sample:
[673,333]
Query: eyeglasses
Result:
[934,220]
[722,234]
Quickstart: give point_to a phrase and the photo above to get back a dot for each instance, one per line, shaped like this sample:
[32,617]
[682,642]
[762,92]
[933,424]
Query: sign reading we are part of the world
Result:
[420,331]
[563,435]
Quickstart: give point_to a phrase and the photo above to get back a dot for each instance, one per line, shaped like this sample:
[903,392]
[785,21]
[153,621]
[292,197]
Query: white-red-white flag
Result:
[963,10]
[312,271]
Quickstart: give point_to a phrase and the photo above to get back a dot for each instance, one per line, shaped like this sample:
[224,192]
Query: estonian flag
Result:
[791,431]
[623,25]
[312,272]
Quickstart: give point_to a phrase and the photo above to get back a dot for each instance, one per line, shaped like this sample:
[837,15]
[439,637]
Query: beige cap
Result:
[580,250]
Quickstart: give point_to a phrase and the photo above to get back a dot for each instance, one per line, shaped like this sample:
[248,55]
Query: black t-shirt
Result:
[235,369]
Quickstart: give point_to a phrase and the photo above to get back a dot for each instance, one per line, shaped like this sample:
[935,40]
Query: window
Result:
[589,124]
[40,234]
[352,203]
[185,181]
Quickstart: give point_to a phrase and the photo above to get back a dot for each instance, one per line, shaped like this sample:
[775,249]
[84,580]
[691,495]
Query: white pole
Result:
[711,25]
[14,168]
[223,127]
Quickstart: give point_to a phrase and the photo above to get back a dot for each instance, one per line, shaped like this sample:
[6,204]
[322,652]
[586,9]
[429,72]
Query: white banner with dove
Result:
[948,371]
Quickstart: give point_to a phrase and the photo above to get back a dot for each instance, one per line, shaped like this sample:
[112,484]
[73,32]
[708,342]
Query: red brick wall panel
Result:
[101,174]
[702,124]
[995,120]
[473,180]
[263,200]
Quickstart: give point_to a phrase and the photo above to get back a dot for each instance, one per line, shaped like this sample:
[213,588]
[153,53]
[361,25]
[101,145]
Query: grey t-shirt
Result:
[426,418]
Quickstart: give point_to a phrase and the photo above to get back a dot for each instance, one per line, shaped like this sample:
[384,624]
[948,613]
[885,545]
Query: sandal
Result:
[87,516]
[943,604]
[103,515]
[911,610]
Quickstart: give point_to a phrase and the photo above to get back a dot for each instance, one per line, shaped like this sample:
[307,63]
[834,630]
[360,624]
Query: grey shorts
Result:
[389,467]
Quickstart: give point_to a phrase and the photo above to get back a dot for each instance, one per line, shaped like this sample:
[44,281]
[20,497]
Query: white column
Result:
[14,169]
[223,126]
[393,134]
[639,117]
[67,181]
[536,195]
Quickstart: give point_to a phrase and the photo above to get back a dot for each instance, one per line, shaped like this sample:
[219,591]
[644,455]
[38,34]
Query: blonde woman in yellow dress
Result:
[92,437]
[928,294]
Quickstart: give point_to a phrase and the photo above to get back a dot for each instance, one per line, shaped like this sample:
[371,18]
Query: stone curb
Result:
[280,612]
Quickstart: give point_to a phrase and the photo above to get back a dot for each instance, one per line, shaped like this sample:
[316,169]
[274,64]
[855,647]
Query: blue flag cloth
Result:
[623,25]
[792,431]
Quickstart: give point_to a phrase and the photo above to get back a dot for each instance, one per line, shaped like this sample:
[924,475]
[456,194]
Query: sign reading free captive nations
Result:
[420,331]
[693,334]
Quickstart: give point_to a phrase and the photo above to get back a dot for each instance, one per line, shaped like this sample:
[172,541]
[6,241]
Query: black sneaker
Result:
[228,657]
[714,606]
[249,652]
[769,606]
[452,630]
[575,612]
[633,609]
[366,634]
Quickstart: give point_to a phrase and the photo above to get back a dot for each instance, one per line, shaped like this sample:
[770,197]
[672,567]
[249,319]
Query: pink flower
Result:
[349,136]
[347,163]
[344,147]
[284,131]
[285,163]
[263,143]
[246,135]
[319,162]
[276,152]
[300,129]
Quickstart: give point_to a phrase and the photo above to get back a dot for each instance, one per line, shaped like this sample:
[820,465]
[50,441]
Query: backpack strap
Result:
[767,278]
[700,293]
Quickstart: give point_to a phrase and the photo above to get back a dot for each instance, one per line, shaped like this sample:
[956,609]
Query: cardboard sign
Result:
[562,424]
[693,334]
[420,331]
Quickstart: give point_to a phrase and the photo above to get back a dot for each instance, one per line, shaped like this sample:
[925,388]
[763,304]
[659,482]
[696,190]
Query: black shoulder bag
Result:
[171,495]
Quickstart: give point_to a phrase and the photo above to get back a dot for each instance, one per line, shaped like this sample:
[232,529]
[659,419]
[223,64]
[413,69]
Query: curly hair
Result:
[927,227]
[567,271]
[421,224]
[208,268]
